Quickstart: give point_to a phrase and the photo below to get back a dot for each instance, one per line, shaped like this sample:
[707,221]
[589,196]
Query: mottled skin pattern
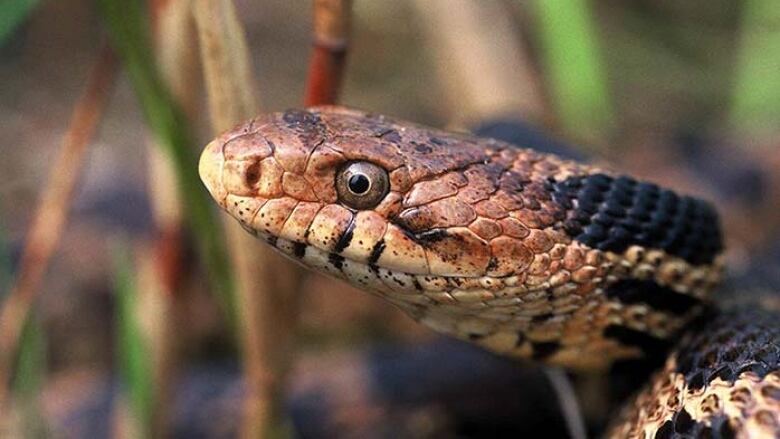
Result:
[723,381]
[471,238]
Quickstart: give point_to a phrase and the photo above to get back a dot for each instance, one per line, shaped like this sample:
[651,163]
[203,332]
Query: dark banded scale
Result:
[612,214]
[633,291]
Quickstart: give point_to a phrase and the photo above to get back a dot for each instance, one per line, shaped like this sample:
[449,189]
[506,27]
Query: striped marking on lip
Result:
[376,252]
[346,237]
[299,249]
[336,260]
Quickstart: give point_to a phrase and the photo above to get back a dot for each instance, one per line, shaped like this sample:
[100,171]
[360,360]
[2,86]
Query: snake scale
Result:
[523,253]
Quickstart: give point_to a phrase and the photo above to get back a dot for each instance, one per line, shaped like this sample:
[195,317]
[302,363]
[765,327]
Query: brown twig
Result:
[268,285]
[51,212]
[227,70]
[331,35]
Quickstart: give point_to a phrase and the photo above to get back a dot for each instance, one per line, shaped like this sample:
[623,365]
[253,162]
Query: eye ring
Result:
[362,185]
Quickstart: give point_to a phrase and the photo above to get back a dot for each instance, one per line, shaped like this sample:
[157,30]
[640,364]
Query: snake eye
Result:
[361,185]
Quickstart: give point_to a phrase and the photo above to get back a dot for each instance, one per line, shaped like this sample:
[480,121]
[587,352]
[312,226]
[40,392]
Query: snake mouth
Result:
[406,289]
[334,263]
[361,274]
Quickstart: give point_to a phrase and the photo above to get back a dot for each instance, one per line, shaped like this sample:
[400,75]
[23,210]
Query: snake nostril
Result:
[253,174]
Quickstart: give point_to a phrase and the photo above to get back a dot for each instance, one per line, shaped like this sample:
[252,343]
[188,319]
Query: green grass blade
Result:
[30,364]
[756,101]
[129,31]
[573,66]
[133,354]
[12,15]
[29,378]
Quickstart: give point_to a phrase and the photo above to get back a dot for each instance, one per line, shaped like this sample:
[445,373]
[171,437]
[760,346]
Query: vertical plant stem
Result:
[133,348]
[269,286]
[573,66]
[126,22]
[490,73]
[756,102]
[51,213]
[331,36]
[30,366]
[29,378]
[228,75]
[162,272]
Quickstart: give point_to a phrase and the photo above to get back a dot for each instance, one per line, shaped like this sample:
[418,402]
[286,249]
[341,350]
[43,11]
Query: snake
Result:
[523,253]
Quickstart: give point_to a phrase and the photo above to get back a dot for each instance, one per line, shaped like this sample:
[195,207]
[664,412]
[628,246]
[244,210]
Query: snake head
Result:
[474,237]
[381,194]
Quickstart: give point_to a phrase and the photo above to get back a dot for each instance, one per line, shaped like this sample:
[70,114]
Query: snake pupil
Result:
[359,184]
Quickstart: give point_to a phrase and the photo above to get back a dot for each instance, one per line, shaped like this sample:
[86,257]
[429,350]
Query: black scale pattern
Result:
[632,291]
[612,214]
[684,427]
[735,342]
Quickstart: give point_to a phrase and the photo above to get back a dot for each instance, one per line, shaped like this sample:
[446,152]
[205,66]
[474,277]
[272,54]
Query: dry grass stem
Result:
[157,320]
[487,74]
[226,64]
[268,285]
[51,213]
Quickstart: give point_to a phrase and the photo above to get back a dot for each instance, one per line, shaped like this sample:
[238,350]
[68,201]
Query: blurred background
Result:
[684,93]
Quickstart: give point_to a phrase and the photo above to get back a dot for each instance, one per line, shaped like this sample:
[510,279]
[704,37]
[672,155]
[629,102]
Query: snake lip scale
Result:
[523,253]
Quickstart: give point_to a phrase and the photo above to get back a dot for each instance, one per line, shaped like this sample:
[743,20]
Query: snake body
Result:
[723,381]
[523,253]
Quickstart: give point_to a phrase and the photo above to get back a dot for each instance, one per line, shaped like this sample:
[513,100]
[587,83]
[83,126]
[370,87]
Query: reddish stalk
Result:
[52,210]
[331,35]
[169,253]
